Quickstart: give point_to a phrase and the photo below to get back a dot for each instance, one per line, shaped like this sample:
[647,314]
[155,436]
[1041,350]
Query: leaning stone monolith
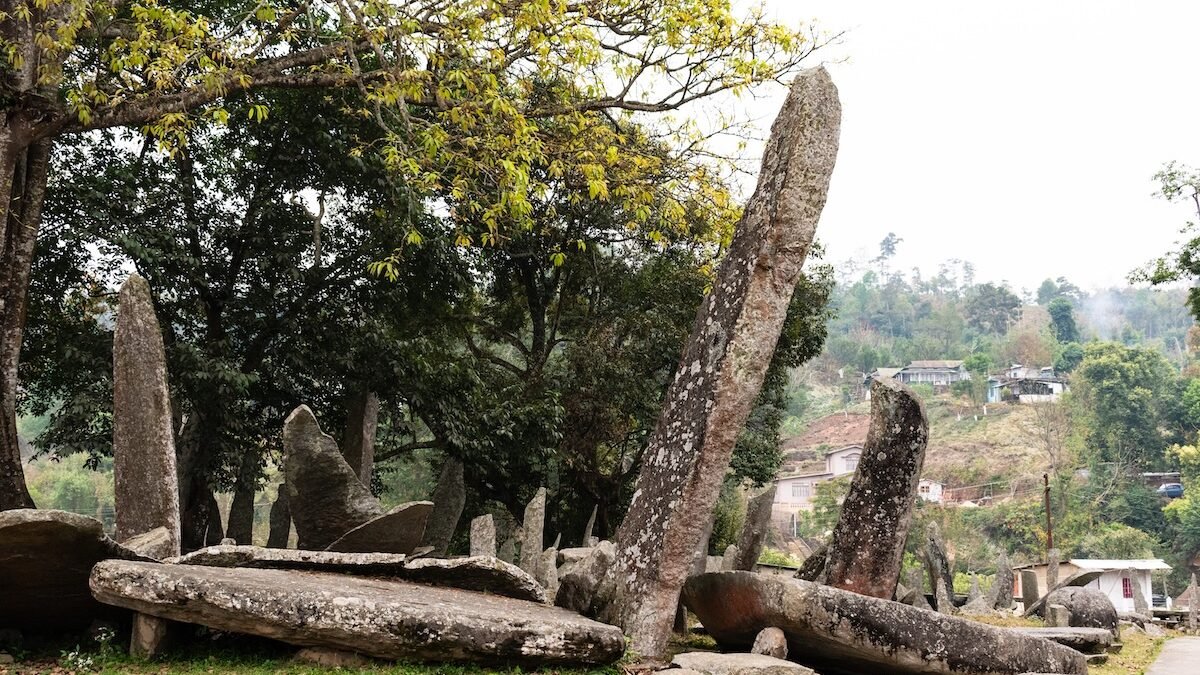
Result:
[867,546]
[723,365]
[754,530]
[591,524]
[937,564]
[325,497]
[448,499]
[483,536]
[146,483]
[358,447]
[531,538]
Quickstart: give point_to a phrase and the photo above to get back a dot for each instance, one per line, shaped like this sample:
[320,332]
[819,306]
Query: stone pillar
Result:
[866,550]
[281,520]
[1193,604]
[358,447]
[448,499]
[729,560]
[591,523]
[937,564]
[1058,616]
[146,482]
[1029,589]
[723,365]
[483,536]
[1139,598]
[148,636]
[532,538]
[1053,557]
[1002,589]
[754,530]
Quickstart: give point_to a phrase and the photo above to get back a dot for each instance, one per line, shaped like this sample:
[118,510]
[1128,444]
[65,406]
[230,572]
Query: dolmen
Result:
[382,605]
[838,632]
[45,559]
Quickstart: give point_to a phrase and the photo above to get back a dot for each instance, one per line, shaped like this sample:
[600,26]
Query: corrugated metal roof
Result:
[1093,564]
[935,364]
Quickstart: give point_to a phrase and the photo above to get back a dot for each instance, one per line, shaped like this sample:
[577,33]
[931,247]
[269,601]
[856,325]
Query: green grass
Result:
[1135,657]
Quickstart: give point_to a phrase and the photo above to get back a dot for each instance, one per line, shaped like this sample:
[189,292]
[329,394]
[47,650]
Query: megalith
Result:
[325,496]
[867,547]
[483,536]
[937,564]
[1002,588]
[448,499]
[146,482]
[754,530]
[723,364]
[532,537]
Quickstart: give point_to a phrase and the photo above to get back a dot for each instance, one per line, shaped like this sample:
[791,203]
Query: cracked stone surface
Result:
[389,619]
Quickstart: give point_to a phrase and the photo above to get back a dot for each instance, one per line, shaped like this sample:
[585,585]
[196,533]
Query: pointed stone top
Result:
[136,283]
[302,415]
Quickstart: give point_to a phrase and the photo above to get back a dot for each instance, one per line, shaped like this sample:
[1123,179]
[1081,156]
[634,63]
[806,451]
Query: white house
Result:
[935,373]
[1026,385]
[794,493]
[930,490]
[1119,579]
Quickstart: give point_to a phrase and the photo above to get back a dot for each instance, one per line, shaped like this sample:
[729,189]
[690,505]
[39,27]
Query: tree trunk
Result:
[23,173]
[196,501]
[723,367]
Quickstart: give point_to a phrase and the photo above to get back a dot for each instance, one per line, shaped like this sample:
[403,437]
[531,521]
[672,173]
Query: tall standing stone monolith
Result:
[754,530]
[1002,588]
[483,536]
[867,546]
[1193,604]
[1030,593]
[280,520]
[358,447]
[531,537]
[1053,557]
[1139,598]
[723,365]
[146,482]
[448,499]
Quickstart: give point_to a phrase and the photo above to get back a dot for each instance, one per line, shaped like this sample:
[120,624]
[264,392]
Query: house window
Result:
[803,490]
[924,489]
[852,462]
[1126,587]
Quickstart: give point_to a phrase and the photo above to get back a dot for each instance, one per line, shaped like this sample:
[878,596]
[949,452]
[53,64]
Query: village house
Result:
[930,490]
[795,493]
[938,374]
[1117,578]
[1026,385]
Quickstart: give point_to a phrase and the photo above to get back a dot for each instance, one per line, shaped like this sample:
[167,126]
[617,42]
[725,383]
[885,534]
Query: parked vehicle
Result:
[1171,490]
[1158,600]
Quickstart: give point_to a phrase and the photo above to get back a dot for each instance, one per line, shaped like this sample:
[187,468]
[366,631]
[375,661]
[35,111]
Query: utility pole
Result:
[1049,524]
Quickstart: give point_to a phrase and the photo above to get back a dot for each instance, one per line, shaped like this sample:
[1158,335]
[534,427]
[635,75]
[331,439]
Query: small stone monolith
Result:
[937,564]
[448,499]
[531,541]
[1053,558]
[358,447]
[1029,589]
[867,546]
[483,536]
[145,478]
[591,524]
[754,530]
[1001,594]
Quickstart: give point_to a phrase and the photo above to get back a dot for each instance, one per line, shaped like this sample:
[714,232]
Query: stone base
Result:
[149,636]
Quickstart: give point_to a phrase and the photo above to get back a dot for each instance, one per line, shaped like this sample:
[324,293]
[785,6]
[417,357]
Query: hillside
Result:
[965,447]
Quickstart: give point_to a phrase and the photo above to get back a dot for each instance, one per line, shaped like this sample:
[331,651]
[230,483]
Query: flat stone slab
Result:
[45,559]
[712,663]
[384,618]
[480,573]
[397,531]
[1086,640]
[838,632]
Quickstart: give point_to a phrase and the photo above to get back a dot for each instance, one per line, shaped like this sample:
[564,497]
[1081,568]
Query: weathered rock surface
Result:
[1078,579]
[712,663]
[1001,594]
[448,499]
[570,556]
[723,363]
[387,619]
[483,536]
[770,642]
[325,496]
[842,633]
[580,588]
[1030,593]
[158,543]
[280,520]
[397,531]
[532,537]
[937,564]
[45,558]
[1086,640]
[1088,607]
[147,636]
[145,479]
[754,530]
[486,574]
[333,658]
[867,546]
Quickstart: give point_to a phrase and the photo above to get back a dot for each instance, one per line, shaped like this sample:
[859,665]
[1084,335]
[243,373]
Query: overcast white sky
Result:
[1019,135]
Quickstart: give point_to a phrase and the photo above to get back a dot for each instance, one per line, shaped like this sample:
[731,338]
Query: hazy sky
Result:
[1018,135]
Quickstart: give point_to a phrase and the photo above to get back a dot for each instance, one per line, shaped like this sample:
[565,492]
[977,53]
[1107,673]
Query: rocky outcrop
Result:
[384,618]
[45,558]
[397,531]
[325,496]
[838,632]
[145,480]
